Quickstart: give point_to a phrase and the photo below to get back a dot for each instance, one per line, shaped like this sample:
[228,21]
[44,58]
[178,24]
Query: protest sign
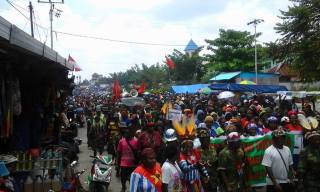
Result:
[174,114]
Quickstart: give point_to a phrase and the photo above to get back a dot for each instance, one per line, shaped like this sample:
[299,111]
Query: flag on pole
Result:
[116,91]
[170,63]
[76,67]
[142,88]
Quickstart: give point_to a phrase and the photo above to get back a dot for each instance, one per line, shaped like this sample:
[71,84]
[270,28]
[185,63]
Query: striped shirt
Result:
[139,181]
[188,165]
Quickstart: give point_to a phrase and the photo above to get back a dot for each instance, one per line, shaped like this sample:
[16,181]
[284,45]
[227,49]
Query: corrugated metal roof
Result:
[191,46]
[16,37]
[225,76]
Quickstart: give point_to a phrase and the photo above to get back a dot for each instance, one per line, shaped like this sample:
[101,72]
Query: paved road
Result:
[85,163]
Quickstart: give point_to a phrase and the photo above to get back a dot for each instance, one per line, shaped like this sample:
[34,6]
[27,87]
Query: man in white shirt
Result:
[278,162]
[171,173]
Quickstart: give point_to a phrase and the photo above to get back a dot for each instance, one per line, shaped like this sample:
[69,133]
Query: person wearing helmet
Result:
[278,162]
[272,124]
[231,164]
[253,130]
[169,138]
[308,168]
[209,159]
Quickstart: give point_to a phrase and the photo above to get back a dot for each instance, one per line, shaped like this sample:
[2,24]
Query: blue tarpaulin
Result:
[187,88]
[248,88]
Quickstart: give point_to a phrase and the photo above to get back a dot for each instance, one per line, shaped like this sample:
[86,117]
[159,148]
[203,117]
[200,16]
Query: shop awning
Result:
[225,76]
[13,37]
[248,88]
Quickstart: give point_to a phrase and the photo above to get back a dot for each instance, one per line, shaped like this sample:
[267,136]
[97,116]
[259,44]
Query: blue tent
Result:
[248,88]
[187,88]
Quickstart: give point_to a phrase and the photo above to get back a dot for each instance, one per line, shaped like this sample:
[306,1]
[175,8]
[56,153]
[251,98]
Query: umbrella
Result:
[225,95]
[247,82]
[132,101]
[205,90]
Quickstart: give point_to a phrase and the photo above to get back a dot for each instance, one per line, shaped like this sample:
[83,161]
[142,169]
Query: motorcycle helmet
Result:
[170,135]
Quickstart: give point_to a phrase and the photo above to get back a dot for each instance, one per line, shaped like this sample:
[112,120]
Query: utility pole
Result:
[31,17]
[255,22]
[51,11]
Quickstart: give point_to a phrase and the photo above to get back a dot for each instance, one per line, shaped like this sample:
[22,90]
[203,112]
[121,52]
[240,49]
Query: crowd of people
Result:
[157,153]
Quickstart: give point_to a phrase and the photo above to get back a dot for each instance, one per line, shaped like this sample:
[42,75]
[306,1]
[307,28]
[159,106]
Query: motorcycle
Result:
[101,171]
[74,185]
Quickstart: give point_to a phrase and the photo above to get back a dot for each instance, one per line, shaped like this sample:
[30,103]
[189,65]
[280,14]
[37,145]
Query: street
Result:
[85,163]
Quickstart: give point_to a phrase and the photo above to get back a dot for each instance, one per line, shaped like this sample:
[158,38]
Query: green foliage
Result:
[152,75]
[189,68]
[300,42]
[233,51]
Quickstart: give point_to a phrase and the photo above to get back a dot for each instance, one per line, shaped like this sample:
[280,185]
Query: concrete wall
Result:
[300,86]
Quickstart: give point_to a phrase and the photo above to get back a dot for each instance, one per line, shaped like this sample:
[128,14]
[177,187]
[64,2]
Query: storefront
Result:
[33,85]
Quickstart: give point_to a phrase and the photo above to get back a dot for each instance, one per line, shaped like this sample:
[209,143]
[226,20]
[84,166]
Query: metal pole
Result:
[255,53]
[51,15]
[31,18]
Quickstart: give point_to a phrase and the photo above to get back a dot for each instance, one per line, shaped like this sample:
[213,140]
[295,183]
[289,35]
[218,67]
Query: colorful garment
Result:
[191,171]
[145,180]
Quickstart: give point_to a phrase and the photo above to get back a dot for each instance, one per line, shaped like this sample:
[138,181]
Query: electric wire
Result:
[118,41]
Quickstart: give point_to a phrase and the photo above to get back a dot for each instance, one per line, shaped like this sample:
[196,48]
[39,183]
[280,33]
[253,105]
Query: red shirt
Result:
[291,127]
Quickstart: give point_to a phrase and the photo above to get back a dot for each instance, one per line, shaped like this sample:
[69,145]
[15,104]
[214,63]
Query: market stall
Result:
[33,85]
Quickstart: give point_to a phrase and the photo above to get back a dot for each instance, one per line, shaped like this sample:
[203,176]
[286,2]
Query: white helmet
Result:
[170,135]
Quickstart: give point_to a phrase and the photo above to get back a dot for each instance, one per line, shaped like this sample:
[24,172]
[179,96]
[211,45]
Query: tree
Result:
[188,68]
[233,51]
[300,42]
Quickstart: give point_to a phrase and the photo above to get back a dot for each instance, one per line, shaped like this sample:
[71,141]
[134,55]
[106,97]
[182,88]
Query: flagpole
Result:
[169,75]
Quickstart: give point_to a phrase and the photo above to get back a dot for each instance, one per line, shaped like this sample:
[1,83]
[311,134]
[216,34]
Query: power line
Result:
[117,40]
[25,15]
[20,6]
[17,9]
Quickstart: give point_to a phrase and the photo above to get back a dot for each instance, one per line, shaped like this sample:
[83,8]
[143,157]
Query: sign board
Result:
[174,114]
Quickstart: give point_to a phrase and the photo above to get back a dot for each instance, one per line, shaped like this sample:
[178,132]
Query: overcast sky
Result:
[172,22]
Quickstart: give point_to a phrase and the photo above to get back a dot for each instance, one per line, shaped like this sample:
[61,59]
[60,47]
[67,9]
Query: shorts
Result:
[125,172]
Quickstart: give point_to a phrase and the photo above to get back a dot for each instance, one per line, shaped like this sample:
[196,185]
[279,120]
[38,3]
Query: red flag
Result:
[116,91]
[170,63]
[142,88]
[76,67]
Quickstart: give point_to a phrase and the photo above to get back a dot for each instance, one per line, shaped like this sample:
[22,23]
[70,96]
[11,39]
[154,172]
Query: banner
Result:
[254,147]
[174,114]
